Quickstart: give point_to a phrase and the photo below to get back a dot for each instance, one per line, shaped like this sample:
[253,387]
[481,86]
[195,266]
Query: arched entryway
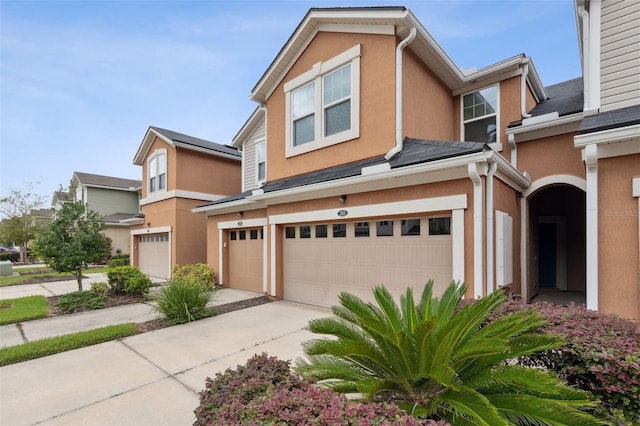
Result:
[556,223]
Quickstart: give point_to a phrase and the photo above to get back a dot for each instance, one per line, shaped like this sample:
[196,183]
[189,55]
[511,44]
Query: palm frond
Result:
[409,314]
[467,405]
[528,410]
[392,315]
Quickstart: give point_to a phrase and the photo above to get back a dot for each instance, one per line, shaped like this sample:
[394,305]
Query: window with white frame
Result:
[157,171]
[480,115]
[323,104]
[261,161]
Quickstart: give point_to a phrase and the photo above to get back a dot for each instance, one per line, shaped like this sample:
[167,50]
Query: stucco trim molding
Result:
[179,193]
[555,179]
[241,223]
[157,230]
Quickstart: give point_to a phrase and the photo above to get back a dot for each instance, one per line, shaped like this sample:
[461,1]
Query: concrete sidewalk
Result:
[151,378]
[15,334]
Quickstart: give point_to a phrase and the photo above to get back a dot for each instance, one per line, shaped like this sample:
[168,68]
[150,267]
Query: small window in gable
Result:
[261,162]
[480,115]
[157,171]
[323,104]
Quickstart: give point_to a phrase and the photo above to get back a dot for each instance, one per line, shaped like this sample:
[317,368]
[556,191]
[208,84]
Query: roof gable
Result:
[386,20]
[89,179]
[181,140]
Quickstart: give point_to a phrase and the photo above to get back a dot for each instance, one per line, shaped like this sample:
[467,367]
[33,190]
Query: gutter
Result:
[399,139]
[490,237]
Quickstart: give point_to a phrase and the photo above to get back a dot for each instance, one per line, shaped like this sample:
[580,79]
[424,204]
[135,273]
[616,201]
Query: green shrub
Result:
[72,302]
[100,288]
[601,355]
[183,301]
[264,391]
[12,256]
[198,273]
[128,280]
[119,260]
[435,362]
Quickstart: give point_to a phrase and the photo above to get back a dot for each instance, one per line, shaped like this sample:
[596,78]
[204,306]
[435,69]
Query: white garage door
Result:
[245,259]
[154,255]
[322,260]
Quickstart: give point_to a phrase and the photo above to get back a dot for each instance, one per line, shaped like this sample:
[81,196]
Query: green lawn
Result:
[54,345]
[23,309]
[26,274]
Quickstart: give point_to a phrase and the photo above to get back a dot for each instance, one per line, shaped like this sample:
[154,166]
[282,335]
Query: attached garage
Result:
[246,259]
[321,260]
[154,255]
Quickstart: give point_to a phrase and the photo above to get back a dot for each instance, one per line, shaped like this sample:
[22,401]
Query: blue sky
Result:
[81,81]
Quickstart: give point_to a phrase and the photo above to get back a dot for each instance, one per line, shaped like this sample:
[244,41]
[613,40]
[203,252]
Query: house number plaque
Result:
[342,213]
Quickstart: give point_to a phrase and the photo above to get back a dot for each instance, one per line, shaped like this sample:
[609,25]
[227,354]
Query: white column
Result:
[273,259]
[264,258]
[591,162]
[636,193]
[474,175]
[221,248]
[457,237]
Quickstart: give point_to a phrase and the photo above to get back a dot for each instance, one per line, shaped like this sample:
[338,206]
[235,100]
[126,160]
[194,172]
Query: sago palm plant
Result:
[438,362]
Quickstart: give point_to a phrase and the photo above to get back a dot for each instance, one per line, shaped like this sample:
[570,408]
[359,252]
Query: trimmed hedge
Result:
[602,355]
[265,391]
[128,280]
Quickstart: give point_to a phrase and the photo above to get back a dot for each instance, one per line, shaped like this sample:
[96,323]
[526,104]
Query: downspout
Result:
[490,237]
[511,138]
[523,90]
[396,149]
[474,175]
[586,58]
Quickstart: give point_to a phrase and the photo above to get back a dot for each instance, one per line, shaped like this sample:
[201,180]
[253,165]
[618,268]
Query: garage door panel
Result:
[245,261]
[154,255]
[316,270]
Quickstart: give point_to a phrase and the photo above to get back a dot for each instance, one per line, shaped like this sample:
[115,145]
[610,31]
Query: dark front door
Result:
[547,254]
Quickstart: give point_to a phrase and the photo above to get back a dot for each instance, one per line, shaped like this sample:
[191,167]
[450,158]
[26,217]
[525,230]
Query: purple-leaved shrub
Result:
[601,355]
[265,391]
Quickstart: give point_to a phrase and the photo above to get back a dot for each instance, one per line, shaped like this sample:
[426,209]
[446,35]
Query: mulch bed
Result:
[125,299]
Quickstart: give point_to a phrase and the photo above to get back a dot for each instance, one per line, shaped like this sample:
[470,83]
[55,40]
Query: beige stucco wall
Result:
[120,238]
[550,156]
[619,259]
[200,172]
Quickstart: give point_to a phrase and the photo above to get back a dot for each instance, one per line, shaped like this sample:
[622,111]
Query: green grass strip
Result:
[26,275]
[23,309]
[67,342]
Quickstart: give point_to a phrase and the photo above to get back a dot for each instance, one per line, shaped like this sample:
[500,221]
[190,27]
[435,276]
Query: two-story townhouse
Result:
[113,198]
[372,158]
[179,173]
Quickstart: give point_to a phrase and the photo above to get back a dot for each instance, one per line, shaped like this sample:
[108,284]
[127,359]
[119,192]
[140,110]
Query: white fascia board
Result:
[621,134]
[450,202]
[143,150]
[178,193]
[230,207]
[545,128]
[248,127]
[133,221]
[497,76]
[157,230]
[207,151]
[418,169]
[509,174]
[114,188]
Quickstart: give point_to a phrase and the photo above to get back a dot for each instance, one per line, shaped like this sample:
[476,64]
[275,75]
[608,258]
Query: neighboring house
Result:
[373,159]
[112,197]
[59,198]
[179,173]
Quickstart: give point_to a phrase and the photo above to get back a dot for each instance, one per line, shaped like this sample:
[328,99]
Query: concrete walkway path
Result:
[151,378]
[147,379]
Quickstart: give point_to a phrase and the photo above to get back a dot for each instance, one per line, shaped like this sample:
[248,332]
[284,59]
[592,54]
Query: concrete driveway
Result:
[151,378]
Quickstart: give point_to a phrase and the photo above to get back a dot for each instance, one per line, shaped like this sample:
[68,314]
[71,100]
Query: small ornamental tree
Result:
[73,240]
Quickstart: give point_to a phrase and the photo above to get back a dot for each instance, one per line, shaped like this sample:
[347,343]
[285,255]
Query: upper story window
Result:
[157,171]
[323,104]
[261,162]
[480,115]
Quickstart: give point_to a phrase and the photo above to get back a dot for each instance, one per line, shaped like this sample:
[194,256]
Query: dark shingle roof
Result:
[116,217]
[565,98]
[197,142]
[611,119]
[113,182]
[62,196]
[415,151]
